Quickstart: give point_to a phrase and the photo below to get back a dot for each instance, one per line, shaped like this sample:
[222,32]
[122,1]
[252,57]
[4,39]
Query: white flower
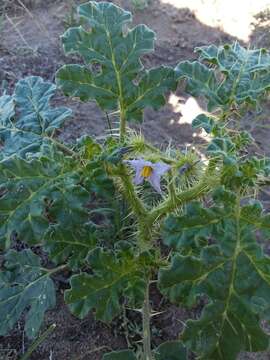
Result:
[146,170]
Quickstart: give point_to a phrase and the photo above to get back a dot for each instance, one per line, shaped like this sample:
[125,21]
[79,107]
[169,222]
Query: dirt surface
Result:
[30,45]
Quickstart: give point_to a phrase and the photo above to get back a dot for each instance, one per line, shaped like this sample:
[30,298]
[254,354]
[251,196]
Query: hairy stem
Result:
[120,90]
[130,194]
[169,205]
[122,126]
[146,314]
[137,206]
[181,198]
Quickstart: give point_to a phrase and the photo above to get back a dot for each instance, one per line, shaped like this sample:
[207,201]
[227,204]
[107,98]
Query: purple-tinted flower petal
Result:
[133,163]
[158,169]
[138,164]
[154,180]
[161,168]
[138,178]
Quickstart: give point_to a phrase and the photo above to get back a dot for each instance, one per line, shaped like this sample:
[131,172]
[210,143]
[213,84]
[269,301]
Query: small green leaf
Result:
[171,350]
[24,287]
[88,147]
[205,122]
[32,97]
[120,355]
[244,75]
[220,146]
[97,180]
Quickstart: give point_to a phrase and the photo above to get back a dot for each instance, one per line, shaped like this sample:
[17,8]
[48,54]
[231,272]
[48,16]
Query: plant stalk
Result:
[200,189]
[146,314]
[131,196]
[122,126]
[38,341]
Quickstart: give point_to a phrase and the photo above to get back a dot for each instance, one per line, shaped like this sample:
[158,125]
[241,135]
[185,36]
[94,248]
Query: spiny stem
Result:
[171,189]
[181,198]
[121,97]
[146,314]
[130,194]
[122,126]
[208,181]
[139,209]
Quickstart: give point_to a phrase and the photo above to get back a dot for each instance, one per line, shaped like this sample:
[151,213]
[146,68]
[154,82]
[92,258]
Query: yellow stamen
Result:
[146,171]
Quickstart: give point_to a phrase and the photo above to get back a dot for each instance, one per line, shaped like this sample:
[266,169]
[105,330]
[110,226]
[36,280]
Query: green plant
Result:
[139,4]
[63,197]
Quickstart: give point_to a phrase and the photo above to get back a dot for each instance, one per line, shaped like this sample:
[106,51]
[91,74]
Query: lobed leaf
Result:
[233,273]
[38,192]
[193,228]
[24,287]
[24,131]
[237,75]
[112,57]
[205,122]
[62,244]
[114,275]
[201,81]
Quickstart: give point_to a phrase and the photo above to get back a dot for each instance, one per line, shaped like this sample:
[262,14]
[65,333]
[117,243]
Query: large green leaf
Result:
[171,350]
[63,244]
[114,275]
[38,192]
[24,132]
[244,75]
[114,57]
[193,228]
[235,58]
[201,81]
[7,109]
[24,287]
[233,273]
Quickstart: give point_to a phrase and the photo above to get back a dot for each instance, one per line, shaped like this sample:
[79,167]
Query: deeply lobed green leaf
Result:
[72,245]
[114,275]
[26,118]
[24,287]
[112,74]
[237,75]
[38,192]
[233,273]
